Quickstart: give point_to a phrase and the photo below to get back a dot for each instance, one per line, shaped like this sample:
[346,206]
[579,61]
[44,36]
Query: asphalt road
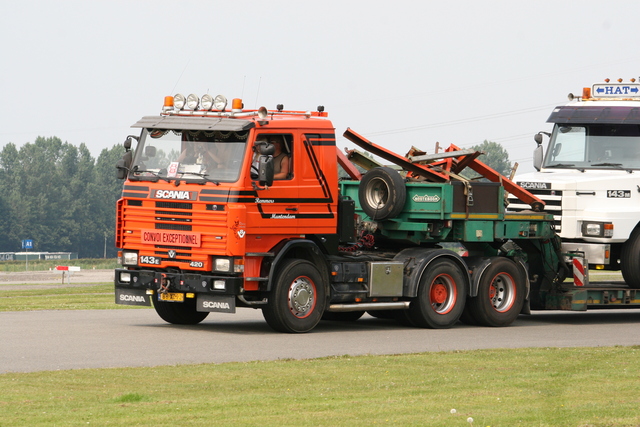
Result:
[54,340]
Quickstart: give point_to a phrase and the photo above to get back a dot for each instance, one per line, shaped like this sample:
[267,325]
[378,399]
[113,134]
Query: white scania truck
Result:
[589,176]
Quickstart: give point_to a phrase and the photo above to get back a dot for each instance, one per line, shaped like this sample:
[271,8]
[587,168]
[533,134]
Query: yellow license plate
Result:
[171,296]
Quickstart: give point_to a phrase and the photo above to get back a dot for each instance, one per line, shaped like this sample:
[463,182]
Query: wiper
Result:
[616,165]
[157,177]
[202,175]
[561,165]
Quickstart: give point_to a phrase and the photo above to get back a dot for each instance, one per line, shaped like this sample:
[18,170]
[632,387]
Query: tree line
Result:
[59,196]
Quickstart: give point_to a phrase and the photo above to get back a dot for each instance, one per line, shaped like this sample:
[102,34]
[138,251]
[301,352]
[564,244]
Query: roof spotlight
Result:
[206,102]
[220,102]
[192,102]
[179,101]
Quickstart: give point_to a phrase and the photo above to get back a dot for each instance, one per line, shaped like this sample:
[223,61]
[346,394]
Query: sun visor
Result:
[194,123]
[600,114]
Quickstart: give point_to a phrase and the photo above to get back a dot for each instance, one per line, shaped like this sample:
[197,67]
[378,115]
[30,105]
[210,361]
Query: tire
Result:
[441,295]
[630,260]
[297,298]
[347,316]
[382,193]
[501,292]
[179,313]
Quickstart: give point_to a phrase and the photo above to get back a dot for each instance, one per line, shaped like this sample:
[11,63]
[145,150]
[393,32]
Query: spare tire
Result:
[382,193]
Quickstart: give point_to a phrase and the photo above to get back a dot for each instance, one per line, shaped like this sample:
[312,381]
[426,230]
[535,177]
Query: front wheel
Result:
[501,292]
[179,313]
[441,296]
[297,299]
[630,260]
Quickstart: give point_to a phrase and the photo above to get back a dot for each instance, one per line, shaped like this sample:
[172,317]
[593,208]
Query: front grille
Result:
[173,216]
[174,205]
[552,200]
[174,227]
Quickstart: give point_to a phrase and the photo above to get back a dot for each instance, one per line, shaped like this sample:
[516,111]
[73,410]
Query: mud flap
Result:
[128,296]
[216,303]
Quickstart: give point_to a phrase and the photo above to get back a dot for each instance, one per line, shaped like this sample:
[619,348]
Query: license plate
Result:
[171,296]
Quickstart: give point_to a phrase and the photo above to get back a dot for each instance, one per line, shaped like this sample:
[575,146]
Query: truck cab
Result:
[589,176]
[203,204]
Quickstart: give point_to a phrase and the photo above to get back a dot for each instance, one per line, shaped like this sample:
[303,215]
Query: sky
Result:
[401,73]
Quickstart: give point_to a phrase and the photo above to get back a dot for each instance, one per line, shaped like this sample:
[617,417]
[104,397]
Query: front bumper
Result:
[177,282]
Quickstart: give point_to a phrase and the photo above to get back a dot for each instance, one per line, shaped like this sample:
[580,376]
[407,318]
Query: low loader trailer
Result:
[226,208]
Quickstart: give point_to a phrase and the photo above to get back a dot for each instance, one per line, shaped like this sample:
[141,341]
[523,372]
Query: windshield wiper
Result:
[561,165]
[202,175]
[155,175]
[617,165]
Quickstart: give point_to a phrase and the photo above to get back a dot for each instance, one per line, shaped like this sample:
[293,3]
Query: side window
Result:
[283,155]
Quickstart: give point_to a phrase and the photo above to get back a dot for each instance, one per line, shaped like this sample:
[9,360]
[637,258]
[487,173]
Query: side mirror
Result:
[537,156]
[265,148]
[538,138]
[123,165]
[127,142]
[265,171]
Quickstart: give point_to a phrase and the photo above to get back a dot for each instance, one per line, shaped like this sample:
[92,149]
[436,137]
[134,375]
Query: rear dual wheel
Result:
[501,292]
[441,296]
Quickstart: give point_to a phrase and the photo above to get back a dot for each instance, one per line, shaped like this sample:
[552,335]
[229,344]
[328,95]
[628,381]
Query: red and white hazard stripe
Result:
[578,272]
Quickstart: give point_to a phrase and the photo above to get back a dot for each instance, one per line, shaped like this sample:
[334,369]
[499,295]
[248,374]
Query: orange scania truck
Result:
[225,208]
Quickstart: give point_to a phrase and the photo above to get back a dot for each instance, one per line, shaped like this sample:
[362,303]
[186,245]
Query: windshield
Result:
[601,146]
[189,154]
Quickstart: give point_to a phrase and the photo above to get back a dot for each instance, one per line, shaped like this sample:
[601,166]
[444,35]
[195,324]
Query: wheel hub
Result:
[502,292]
[438,293]
[301,297]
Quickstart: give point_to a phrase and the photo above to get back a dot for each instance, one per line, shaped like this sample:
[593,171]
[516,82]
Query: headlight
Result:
[125,277]
[597,229]
[222,264]
[129,258]
[219,285]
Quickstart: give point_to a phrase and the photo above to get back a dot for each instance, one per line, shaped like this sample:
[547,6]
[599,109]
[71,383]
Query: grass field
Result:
[527,387]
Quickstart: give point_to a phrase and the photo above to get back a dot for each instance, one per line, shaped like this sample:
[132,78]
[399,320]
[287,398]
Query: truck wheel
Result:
[347,316]
[441,295]
[297,299]
[382,193]
[501,292]
[179,313]
[630,260]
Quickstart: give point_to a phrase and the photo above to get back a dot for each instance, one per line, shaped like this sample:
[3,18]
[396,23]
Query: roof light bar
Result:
[220,102]
[179,101]
[206,102]
[193,101]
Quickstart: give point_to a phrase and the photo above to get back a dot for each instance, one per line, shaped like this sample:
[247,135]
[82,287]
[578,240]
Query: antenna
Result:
[178,81]
[257,93]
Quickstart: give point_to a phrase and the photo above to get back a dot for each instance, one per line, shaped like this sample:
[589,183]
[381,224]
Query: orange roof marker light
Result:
[168,103]
[236,105]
